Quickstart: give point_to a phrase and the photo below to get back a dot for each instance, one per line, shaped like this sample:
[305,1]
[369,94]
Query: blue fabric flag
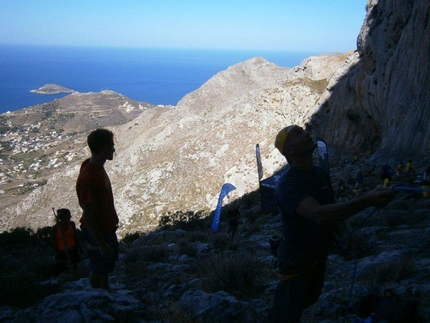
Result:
[226,188]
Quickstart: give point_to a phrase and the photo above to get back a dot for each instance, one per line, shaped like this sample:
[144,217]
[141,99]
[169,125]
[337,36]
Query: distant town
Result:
[27,156]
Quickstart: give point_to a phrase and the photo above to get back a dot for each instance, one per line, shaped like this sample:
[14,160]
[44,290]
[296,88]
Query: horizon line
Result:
[314,52]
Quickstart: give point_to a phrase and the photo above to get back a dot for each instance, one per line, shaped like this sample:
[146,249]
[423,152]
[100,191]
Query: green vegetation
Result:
[25,158]
[4,129]
[27,187]
[6,145]
[250,199]
[188,220]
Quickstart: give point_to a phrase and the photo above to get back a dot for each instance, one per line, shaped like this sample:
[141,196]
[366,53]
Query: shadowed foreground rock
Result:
[79,303]
[159,277]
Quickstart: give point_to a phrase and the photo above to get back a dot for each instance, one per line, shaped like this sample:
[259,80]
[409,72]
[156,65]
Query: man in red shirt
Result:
[99,220]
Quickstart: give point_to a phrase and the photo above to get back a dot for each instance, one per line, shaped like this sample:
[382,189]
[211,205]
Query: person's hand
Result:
[105,250]
[380,196]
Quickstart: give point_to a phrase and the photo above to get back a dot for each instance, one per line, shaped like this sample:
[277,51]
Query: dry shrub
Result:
[157,253]
[250,199]
[132,255]
[197,236]
[219,241]
[237,274]
[251,228]
[134,271]
[392,271]
[252,217]
[26,262]
[130,237]
[174,313]
[22,274]
[23,290]
[185,220]
[186,248]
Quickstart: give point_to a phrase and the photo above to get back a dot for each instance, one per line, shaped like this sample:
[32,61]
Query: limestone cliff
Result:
[382,101]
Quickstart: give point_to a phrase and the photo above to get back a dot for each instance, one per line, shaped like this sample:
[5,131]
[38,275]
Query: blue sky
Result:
[287,25]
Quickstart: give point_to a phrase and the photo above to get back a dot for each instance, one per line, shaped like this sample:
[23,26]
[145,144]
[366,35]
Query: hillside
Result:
[207,139]
[41,140]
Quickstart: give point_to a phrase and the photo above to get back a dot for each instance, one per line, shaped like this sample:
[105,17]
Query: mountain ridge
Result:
[168,144]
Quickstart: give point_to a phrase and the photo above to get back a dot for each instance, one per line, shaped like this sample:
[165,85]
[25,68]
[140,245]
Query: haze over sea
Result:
[157,76]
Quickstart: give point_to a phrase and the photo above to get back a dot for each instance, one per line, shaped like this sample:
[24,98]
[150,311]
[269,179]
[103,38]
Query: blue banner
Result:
[226,188]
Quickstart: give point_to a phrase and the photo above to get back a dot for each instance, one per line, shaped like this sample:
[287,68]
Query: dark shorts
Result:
[98,264]
[73,253]
[294,295]
[62,260]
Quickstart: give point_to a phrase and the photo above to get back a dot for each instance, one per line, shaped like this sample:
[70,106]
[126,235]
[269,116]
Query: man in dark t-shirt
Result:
[309,214]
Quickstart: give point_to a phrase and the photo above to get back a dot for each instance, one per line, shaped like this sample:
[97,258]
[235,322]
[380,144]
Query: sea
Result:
[156,76]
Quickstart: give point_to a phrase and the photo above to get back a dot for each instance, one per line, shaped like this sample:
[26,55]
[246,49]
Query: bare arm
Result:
[93,227]
[311,209]
[75,235]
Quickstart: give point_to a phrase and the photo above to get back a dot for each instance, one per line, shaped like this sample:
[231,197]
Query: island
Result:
[52,89]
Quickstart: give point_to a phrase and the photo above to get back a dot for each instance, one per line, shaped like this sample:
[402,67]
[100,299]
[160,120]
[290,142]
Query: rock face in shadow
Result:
[382,101]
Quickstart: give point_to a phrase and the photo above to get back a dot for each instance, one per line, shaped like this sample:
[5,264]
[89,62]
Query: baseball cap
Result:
[282,137]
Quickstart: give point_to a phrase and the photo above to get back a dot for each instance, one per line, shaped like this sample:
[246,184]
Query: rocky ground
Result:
[188,273]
